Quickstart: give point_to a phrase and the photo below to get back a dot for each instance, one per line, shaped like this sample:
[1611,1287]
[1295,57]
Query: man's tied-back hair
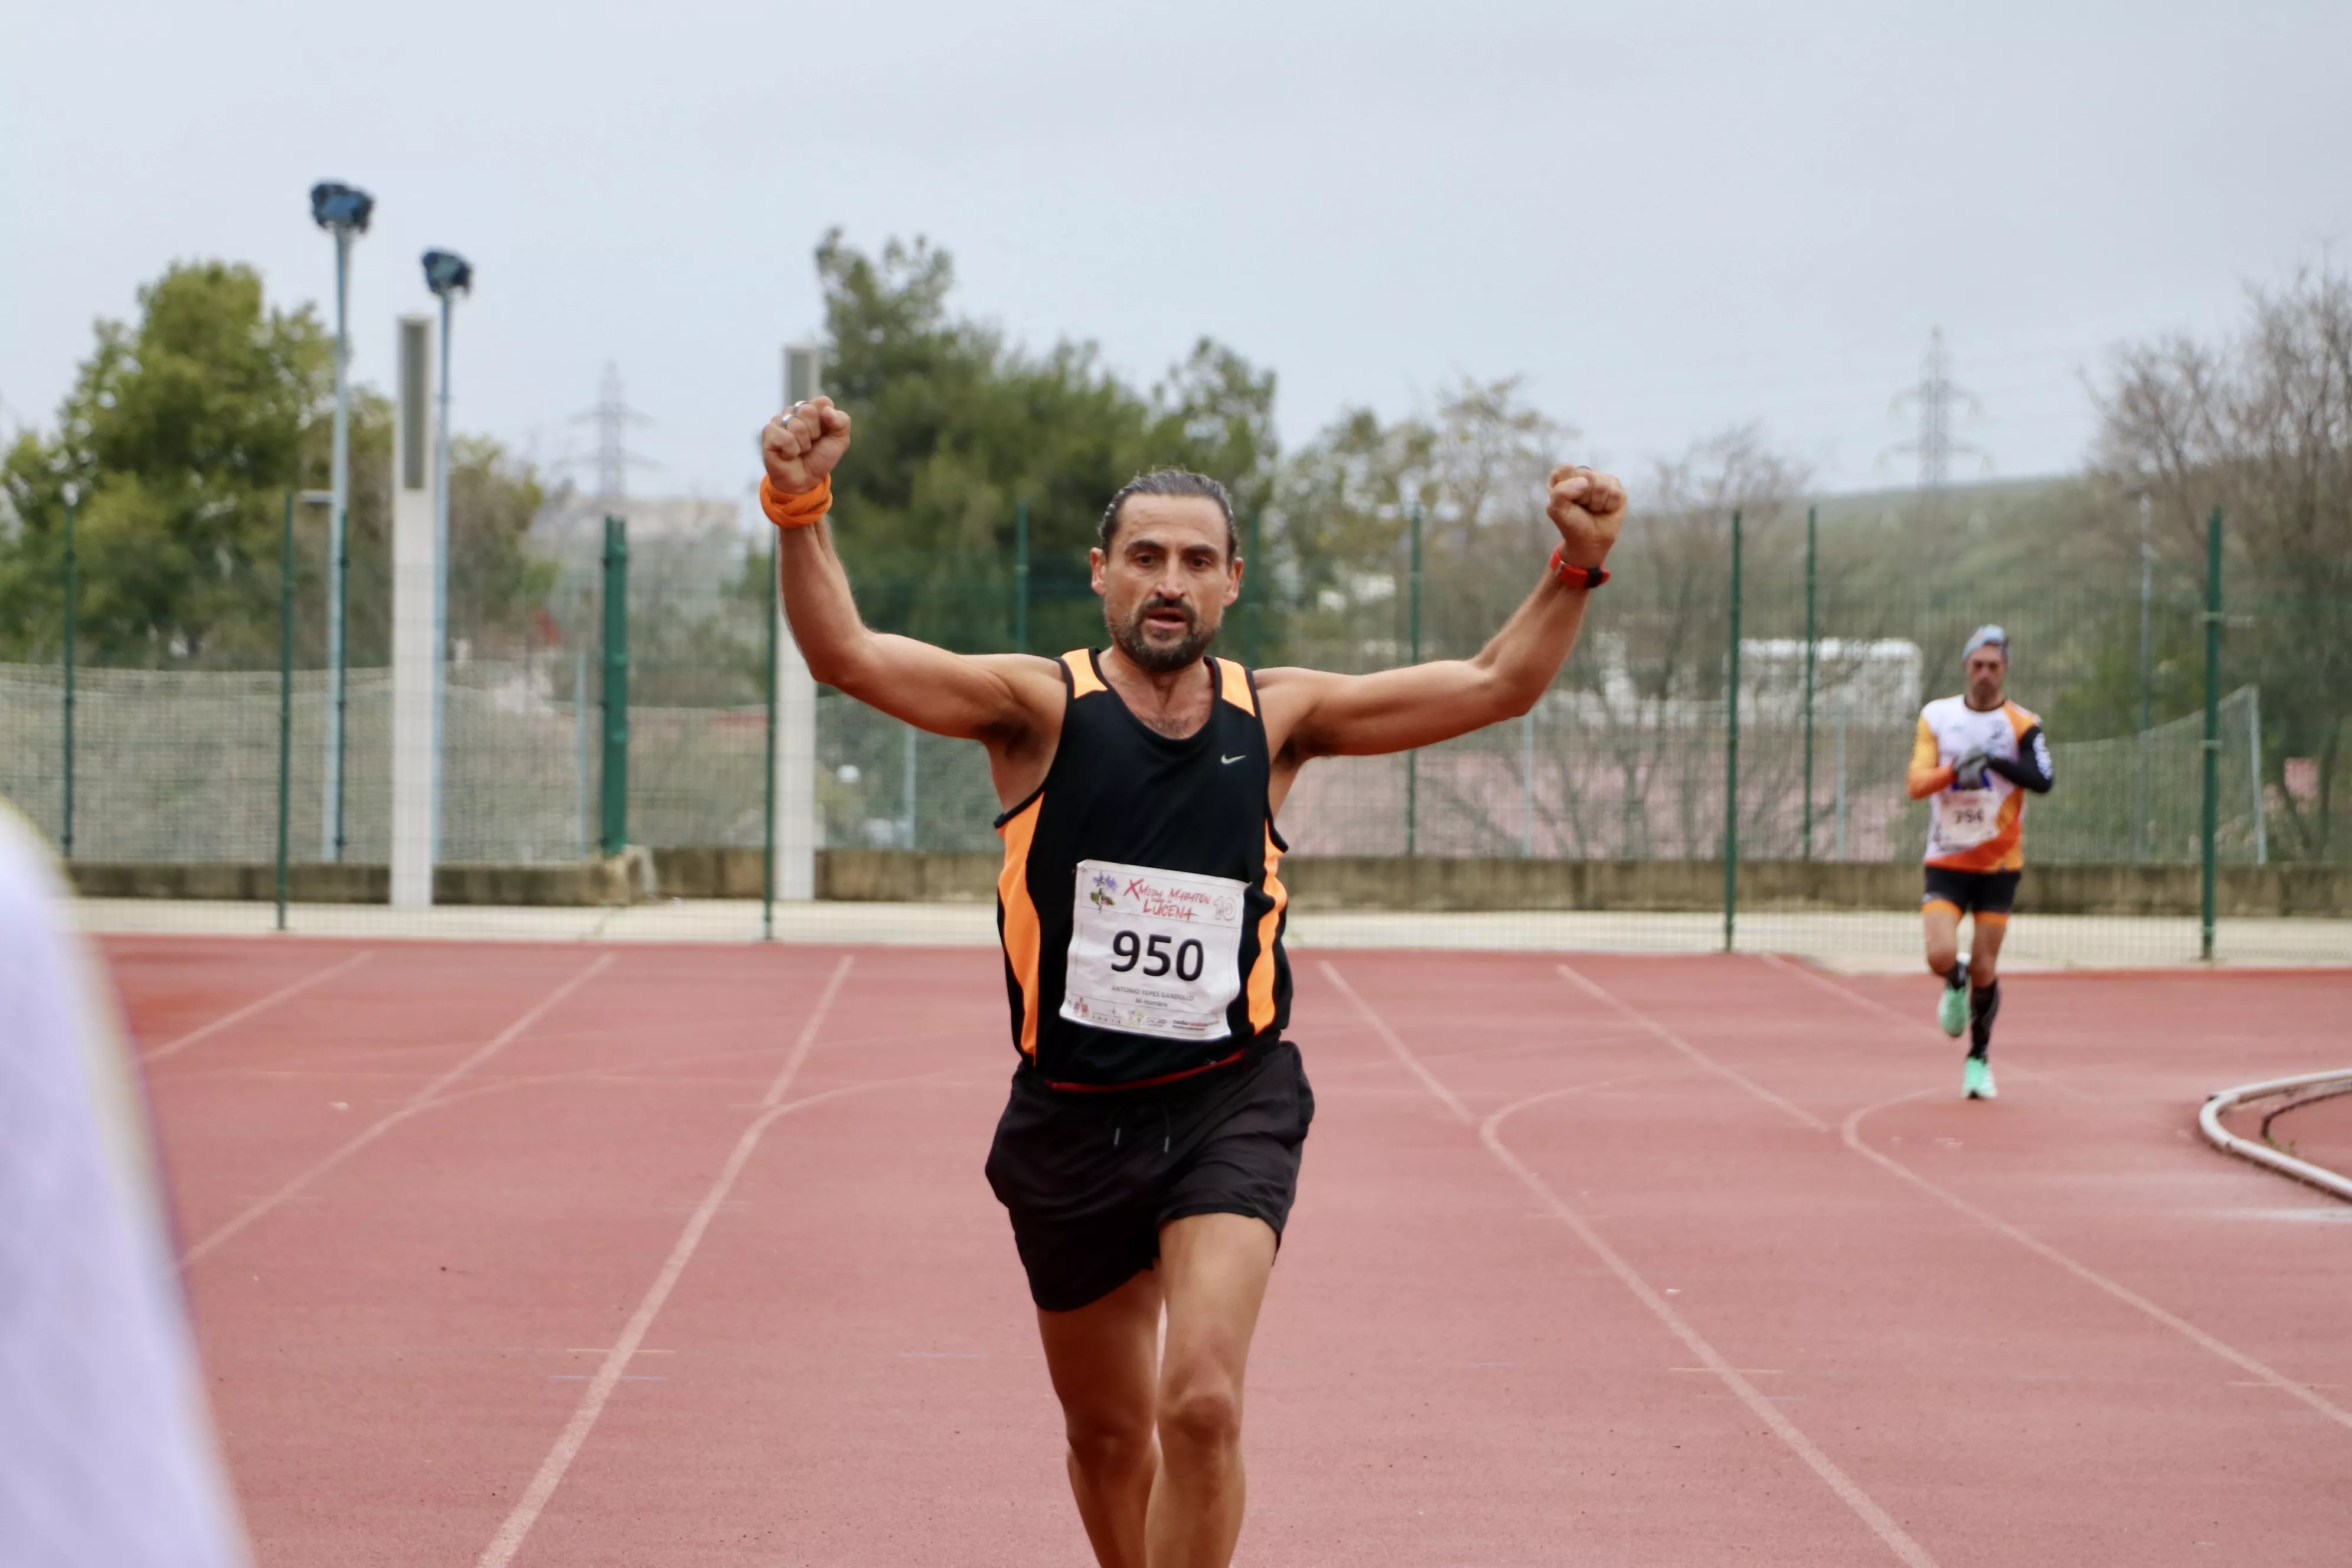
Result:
[1170,482]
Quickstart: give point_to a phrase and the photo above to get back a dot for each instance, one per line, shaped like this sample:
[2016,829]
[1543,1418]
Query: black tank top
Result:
[1138,907]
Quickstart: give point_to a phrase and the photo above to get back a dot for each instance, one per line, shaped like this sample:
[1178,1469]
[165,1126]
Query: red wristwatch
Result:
[1577,577]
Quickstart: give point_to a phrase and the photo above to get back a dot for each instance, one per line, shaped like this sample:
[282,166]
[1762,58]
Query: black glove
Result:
[1968,772]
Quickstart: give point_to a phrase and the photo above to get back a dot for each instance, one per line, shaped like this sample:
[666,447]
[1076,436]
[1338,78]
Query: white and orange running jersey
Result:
[1977,829]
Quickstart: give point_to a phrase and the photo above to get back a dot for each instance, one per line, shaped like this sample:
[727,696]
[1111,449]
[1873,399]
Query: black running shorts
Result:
[1971,892]
[1089,1179]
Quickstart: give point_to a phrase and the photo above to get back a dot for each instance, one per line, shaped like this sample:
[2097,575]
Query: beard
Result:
[1161,659]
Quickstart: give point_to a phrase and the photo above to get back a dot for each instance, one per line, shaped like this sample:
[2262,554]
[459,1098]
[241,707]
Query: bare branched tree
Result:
[1649,679]
[2260,425]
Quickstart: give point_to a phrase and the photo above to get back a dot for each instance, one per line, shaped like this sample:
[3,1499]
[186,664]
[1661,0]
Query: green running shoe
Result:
[1952,1012]
[1975,1083]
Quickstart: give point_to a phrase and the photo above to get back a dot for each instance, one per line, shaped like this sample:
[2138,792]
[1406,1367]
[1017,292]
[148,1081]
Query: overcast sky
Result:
[1668,218]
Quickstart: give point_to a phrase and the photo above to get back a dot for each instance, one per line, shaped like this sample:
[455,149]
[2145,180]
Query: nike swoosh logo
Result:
[1229,761]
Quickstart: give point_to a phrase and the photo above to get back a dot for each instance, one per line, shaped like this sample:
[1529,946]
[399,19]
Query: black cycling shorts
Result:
[1089,1179]
[1971,892]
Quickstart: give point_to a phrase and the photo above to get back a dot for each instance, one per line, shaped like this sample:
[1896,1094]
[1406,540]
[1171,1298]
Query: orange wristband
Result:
[786,510]
[1576,576]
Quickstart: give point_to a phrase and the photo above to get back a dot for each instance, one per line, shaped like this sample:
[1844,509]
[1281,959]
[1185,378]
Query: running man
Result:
[1974,755]
[1151,1148]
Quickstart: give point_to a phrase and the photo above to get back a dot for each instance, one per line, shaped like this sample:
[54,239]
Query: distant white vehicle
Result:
[1872,680]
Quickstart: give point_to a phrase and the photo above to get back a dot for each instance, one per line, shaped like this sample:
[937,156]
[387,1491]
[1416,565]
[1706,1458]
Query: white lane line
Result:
[250,1008]
[420,1100]
[1851,1132]
[574,1436]
[1908,1020]
[2083,1271]
[1881,1523]
[1643,1020]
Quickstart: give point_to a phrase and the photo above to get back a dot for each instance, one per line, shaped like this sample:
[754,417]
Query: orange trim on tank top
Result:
[1080,663]
[1232,684]
[1023,938]
[1261,980]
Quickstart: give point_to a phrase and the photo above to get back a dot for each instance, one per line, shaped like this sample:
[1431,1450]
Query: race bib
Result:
[1966,817]
[1154,953]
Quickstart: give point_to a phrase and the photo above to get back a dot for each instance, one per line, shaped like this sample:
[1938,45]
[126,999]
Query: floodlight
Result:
[447,273]
[338,205]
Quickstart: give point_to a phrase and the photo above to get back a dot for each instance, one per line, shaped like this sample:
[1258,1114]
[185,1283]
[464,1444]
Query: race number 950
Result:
[1130,950]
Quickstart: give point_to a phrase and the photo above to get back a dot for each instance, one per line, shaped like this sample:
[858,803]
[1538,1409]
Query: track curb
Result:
[2208,1122]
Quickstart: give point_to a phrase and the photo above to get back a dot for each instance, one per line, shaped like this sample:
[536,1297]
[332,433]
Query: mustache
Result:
[1158,603]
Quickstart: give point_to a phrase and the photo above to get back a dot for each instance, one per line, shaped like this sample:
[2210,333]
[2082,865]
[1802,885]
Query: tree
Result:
[182,438]
[955,429]
[2261,426]
[1652,676]
[179,438]
[1476,468]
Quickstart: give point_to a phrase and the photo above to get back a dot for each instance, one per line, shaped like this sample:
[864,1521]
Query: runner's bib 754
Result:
[1966,818]
[1153,952]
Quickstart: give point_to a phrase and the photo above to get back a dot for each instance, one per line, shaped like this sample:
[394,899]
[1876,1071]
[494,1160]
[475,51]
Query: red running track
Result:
[570,1256]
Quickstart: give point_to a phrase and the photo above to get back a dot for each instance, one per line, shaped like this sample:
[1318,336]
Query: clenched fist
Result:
[800,445]
[1587,507]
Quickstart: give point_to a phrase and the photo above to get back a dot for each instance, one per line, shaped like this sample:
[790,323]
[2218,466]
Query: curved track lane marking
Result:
[1880,1522]
[1851,1132]
[258,1006]
[1635,1016]
[423,1099]
[574,1436]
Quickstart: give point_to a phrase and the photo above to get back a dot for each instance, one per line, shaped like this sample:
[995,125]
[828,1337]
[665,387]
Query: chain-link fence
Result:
[1630,760]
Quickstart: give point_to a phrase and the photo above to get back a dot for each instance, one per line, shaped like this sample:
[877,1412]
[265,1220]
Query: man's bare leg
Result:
[1104,1362]
[1212,1272]
[1941,924]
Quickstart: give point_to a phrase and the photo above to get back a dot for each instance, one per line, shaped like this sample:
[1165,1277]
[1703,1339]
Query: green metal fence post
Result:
[1413,758]
[1731,758]
[285,700]
[2213,731]
[768,817]
[615,799]
[1812,516]
[1254,613]
[1021,576]
[73,612]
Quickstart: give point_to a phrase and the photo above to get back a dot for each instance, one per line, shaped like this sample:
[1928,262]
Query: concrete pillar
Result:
[796,743]
[415,653]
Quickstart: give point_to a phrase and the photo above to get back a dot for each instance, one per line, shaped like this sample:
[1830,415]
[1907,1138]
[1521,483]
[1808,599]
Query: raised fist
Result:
[1588,508]
[800,445]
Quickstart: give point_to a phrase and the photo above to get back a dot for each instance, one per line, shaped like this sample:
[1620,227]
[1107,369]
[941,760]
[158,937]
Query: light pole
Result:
[342,211]
[448,275]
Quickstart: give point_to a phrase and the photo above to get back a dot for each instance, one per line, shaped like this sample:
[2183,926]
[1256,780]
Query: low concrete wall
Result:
[855,876]
[1316,882]
[624,878]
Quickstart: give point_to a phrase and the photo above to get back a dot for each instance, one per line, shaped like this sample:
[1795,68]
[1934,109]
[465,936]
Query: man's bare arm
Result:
[1394,710]
[993,697]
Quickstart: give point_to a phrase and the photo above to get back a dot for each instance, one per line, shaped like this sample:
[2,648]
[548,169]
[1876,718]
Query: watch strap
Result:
[1577,577]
